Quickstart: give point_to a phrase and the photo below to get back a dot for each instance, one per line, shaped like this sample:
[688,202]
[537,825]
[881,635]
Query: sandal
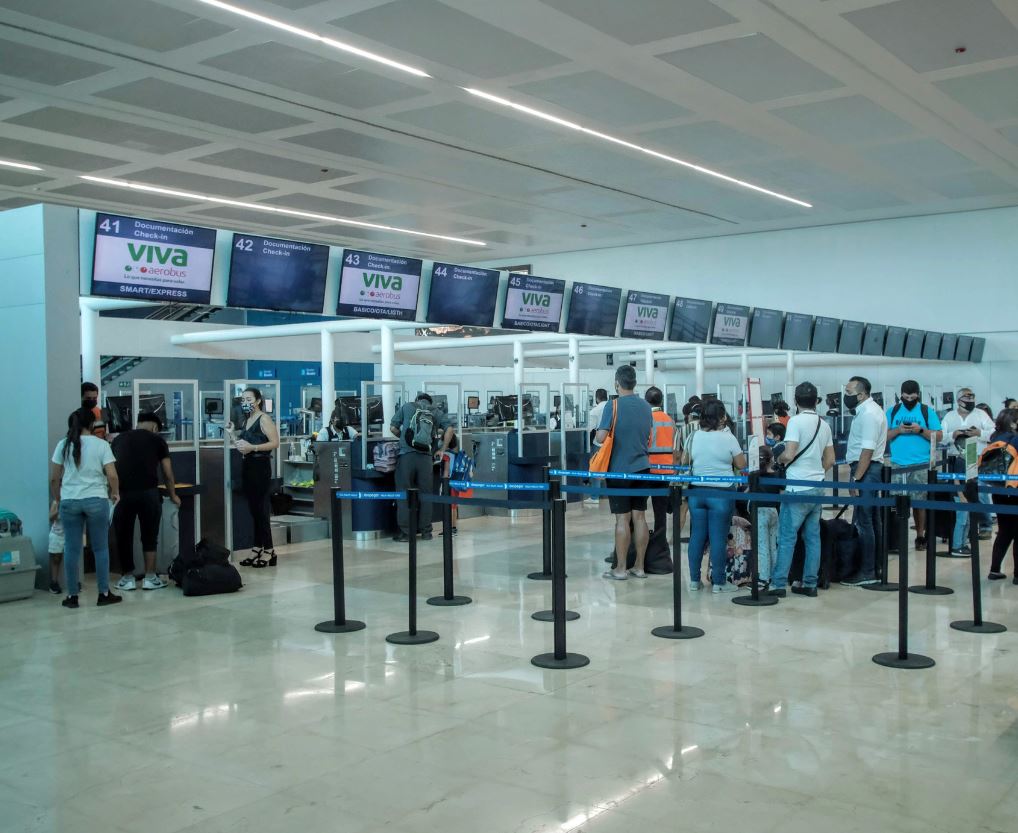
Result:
[256,554]
[261,561]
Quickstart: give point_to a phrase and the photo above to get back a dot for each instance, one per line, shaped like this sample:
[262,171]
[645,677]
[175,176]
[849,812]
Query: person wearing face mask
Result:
[256,441]
[774,438]
[911,427]
[1007,525]
[967,420]
[337,429]
[90,400]
[867,442]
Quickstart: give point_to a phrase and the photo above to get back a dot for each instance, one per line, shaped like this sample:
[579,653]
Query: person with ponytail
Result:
[83,481]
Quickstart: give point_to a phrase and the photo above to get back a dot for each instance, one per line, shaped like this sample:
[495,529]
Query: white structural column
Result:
[648,362]
[91,370]
[790,368]
[517,364]
[388,356]
[744,369]
[699,370]
[574,359]
[328,376]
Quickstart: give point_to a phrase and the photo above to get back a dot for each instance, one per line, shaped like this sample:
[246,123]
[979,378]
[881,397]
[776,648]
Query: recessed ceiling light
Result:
[615,140]
[273,209]
[20,165]
[306,33]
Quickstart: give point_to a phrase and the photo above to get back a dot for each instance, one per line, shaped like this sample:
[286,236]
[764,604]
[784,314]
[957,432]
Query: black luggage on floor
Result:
[207,572]
[825,575]
[659,557]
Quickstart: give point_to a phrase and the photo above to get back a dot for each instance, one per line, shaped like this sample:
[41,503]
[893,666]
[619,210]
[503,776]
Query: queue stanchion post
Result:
[545,573]
[930,588]
[976,624]
[554,493]
[885,539]
[754,599]
[902,658]
[677,630]
[560,658]
[412,636]
[448,597]
[339,623]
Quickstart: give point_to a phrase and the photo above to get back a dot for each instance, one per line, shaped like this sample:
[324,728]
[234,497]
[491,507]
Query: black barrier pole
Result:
[554,493]
[545,573]
[412,636]
[930,588]
[448,597]
[835,478]
[339,623]
[902,658]
[677,630]
[560,658]
[754,599]
[976,623]
[885,537]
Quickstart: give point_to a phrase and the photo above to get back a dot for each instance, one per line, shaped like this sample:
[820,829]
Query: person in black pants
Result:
[256,441]
[415,467]
[141,454]
[1007,525]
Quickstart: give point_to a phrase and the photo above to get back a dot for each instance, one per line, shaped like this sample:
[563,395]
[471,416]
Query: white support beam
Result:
[699,387]
[328,376]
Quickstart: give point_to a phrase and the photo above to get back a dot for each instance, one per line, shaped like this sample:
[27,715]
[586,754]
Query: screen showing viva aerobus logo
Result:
[151,260]
[373,285]
[646,315]
[533,303]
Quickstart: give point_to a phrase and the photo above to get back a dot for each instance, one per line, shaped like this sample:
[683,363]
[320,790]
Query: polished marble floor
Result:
[232,713]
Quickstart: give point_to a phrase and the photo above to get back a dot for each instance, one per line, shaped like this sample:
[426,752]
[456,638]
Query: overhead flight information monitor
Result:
[948,347]
[690,320]
[931,347]
[152,261]
[914,344]
[462,295]
[797,331]
[593,309]
[373,285]
[825,334]
[873,340]
[266,273]
[646,315]
[894,344]
[964,349]
[533,303]
[731,323]
[978,345]
[850,340]
[765,328]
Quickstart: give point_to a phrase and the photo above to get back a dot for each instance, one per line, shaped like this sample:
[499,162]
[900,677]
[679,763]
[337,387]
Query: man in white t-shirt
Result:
[966,420]
[809,453]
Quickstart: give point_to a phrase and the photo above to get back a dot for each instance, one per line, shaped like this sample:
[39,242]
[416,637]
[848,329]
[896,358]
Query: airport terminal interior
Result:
[537,416]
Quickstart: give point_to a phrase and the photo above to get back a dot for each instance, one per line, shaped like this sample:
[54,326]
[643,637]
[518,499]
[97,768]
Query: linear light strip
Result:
[306,33]
[19,165]
[530,111]
[272,209]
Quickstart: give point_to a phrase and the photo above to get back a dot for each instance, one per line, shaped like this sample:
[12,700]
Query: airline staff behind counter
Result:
[663,457]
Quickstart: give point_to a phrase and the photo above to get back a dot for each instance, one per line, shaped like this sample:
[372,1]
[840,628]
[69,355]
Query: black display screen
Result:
[894,345]
[268,273]
[765,328]
[731,325]
[593,309]
[914,344]
[873,340]
[797,332]
[964,349]
[690,320]
[850,340]
[825,334]
[931,347]
[948,346]
[978,345]
[462,295]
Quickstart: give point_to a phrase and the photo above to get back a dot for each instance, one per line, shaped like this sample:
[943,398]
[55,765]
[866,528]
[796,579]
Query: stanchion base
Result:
[890,587]
[749,601]
[911,661]
[923,590]
[549,616]
[569,661]
[349,626]
[539,576]
[969,626]
[442,601]
[407,638]
[669,632]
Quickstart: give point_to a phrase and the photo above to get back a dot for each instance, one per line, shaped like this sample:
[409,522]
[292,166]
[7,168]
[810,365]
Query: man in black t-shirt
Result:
[141,454]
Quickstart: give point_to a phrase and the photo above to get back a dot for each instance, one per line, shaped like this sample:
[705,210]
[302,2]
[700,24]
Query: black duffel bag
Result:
[207,572]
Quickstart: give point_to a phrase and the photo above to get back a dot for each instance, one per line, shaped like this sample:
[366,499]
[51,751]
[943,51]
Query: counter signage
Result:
[690,320]
[533,303]
[152,261]
[731,322]
[463,295]
[374,285]
[797,331]
[765,328]
[646,315]
[267,273]
[593,309]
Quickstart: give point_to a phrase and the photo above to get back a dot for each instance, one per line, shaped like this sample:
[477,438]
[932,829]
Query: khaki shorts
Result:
[56,537]
[920,478]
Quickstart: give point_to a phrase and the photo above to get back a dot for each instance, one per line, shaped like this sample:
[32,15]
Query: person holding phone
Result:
[911,428]
[968,420]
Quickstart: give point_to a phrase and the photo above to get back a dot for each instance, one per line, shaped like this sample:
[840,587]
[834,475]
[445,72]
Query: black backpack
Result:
[207,572]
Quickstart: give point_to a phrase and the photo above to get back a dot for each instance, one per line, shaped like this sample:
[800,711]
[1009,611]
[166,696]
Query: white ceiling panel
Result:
[449,37]
[105,194]
[674,221]
[322,205]
[370,148]
[971,184]
[925,33]
[918,158]
[846,121]
[992,96]
[270,165]
[708,141]
[407,191]
[247,219]
[754,68]
[1010,133]
[44,155]
[643,21]
[13,178]
[433,223]
[110,131]
[198,183]
[43,66]
[464,123]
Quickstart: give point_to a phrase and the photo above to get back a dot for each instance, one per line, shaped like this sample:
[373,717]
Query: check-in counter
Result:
[498,460]
[213,513]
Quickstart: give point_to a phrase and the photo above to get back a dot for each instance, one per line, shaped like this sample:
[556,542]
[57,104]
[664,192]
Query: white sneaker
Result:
[724,588]
[694,586]
[154,583]
[126,583]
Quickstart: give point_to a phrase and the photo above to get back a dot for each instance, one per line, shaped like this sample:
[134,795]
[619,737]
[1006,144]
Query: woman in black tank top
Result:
[255,441]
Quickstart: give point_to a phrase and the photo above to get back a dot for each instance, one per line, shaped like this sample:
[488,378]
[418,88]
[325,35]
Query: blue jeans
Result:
[793,517]
[76,515]
[710,516]
[867,521]
[960,538]
[985,520]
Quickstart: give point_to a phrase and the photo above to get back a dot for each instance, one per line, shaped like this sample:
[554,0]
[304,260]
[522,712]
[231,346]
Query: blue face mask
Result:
[770,441]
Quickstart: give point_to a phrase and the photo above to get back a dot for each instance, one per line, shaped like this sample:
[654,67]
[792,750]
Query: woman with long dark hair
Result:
[1007,525]
[83,482]
[256,441]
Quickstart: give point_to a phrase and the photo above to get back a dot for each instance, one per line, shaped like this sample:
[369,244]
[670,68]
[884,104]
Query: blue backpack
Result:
[462,466]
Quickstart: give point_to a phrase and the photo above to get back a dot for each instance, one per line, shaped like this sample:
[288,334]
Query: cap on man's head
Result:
[910,386]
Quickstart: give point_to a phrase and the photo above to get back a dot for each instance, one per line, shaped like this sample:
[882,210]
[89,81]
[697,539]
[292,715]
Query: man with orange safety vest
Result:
[663,455]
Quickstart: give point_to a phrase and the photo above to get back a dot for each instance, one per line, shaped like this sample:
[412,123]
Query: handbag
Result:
[600,459]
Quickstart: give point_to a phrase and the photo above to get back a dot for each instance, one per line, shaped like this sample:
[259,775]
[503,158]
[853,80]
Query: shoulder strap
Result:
[807,446]
[894,411]
[926,414]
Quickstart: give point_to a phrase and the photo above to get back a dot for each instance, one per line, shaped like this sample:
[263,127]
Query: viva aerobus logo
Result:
[536,299]
[374,283]
[647,312]
[146,253]
[732,321]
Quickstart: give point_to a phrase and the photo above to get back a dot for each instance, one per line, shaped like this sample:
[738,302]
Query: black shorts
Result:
[623,504]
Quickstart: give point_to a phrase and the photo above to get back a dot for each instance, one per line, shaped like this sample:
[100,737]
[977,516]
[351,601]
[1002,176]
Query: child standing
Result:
[767,520]
[55,547]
